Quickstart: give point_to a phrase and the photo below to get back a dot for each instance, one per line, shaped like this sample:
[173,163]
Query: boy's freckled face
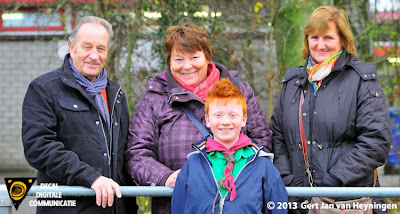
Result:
[226,121]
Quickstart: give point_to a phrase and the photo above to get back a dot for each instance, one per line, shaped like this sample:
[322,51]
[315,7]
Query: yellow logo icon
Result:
[18,188]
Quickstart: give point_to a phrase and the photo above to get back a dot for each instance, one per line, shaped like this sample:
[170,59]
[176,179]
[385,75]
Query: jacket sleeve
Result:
[179,196]
[141,153]
[42,148]
[374,136]
[256,127]
[279,147]
[275,194]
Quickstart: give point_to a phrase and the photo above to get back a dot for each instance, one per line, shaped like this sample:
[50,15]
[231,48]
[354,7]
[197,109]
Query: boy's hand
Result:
[172,179]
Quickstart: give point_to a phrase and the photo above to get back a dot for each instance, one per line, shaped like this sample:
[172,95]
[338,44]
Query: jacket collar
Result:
[69,79]
[302,78]
[342,61]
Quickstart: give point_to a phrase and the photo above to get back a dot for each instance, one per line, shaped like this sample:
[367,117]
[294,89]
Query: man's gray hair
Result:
[91,19]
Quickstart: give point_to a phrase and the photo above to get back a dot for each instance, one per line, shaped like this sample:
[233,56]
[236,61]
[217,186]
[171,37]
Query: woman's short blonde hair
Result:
[319,24]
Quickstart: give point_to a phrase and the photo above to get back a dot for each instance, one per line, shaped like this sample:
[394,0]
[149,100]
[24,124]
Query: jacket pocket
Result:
[377,93]
[76,120]
[73,105]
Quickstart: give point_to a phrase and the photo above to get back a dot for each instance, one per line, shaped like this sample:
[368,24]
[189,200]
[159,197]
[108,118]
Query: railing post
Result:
[5,201]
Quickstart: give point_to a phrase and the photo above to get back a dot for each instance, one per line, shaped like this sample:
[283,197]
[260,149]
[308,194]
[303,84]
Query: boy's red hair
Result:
[225,91]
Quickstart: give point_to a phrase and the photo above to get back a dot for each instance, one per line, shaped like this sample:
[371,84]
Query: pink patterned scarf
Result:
[204,87]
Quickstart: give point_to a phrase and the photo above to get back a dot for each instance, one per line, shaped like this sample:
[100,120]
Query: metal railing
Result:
[157,191]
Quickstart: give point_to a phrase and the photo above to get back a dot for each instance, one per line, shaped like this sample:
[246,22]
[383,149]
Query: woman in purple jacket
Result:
[160,133]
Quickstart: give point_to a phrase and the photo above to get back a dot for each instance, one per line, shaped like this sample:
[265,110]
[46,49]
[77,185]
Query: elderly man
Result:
[75,124]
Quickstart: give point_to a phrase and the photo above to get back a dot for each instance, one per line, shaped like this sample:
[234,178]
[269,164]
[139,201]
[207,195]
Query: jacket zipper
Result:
[111,122]
[221,203]
[311,118]
[222,199]
[248,162]
[109,150]
[105,138]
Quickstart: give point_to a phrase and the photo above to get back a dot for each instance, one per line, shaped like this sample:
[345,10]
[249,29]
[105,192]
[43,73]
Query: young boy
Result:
[228,173]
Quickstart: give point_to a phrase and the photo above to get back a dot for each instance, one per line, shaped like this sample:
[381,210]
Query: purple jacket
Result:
[161,135]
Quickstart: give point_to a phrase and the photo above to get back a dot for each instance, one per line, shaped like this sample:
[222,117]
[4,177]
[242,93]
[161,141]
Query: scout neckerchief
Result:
[228,181]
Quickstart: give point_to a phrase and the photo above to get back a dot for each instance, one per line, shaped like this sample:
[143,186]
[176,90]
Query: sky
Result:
[386,5]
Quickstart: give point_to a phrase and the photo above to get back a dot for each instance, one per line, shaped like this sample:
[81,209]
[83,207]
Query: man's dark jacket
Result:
[69,143]
[346,124]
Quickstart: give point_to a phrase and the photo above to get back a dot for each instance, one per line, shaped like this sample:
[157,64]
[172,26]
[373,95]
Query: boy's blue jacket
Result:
[258,183]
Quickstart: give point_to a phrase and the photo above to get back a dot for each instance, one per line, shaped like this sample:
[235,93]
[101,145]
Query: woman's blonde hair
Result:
[319,24]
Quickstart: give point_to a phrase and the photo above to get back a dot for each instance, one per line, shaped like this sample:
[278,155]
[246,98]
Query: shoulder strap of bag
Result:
[304,145]
[303,141]
[196,122]
[193,118]
[236,82]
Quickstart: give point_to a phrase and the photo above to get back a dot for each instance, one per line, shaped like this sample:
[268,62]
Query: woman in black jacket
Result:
[344,114]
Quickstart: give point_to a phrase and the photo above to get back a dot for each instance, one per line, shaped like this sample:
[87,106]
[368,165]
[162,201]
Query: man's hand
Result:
[172,179]
[104,191]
